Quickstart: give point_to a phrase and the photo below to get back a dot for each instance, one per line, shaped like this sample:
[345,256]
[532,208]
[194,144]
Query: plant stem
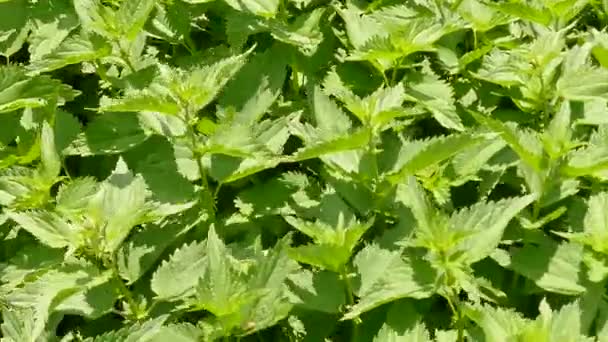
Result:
[459,323]
[395,70]
[207,194]
[351,301]
[199,163]
[124,291]
[474,39]
[189,44]
[371,148]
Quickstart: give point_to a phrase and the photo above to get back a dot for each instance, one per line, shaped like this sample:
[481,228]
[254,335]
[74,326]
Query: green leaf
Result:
[319,147]
[67,128]
[255,87]
[329,118]
[304,32]
[138,254]
[472,160]
[73,196]
[18,325]
[590,161]
[141,101]
[237,151]
[413,196]
[553,267]
[568,316]
[132,16]
[78,289]
[14,26]
[561,325]
[594,233]
[48,227]
[410,36]
[51,24]
[481,16]
[171,22]
[199,85]
[333,245]
[272,269]
[360,28]
[498,324]
[596,222]
[505,68]
[50,162]
[226,169]
[156,161]
[177,277]
[118,206]
[325,256]
[435,95]
[95,17]
[109,133]
[396,328]
[415,156]
[73,50]
[525,11]
[144,332]
[161,124]
[483,225]
[275,196]
[374,264]
[222,290]
[376,109]
[262,8]
[416,334]
[408,277]
[526,144]
[586,84]
[9,125]
[18,91]
[182,332]
[30,261]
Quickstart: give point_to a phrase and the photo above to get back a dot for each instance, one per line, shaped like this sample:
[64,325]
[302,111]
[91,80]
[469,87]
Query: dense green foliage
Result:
[303,170]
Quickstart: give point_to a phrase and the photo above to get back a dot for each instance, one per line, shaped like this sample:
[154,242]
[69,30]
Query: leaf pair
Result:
[243,295]
[97,217]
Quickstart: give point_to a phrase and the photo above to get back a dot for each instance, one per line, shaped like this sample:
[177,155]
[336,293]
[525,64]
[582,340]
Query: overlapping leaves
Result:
[303,170]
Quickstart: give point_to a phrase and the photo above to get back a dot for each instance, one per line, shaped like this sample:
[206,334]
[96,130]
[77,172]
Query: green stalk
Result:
[371,148]
[206,193]
[395,70]
[351,301]
[123,289]
[189,44]
[454,304]
[474,39]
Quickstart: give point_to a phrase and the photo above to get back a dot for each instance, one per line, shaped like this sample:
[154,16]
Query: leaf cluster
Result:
[303,170]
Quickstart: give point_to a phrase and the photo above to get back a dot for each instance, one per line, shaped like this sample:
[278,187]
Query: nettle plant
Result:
[303,170]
